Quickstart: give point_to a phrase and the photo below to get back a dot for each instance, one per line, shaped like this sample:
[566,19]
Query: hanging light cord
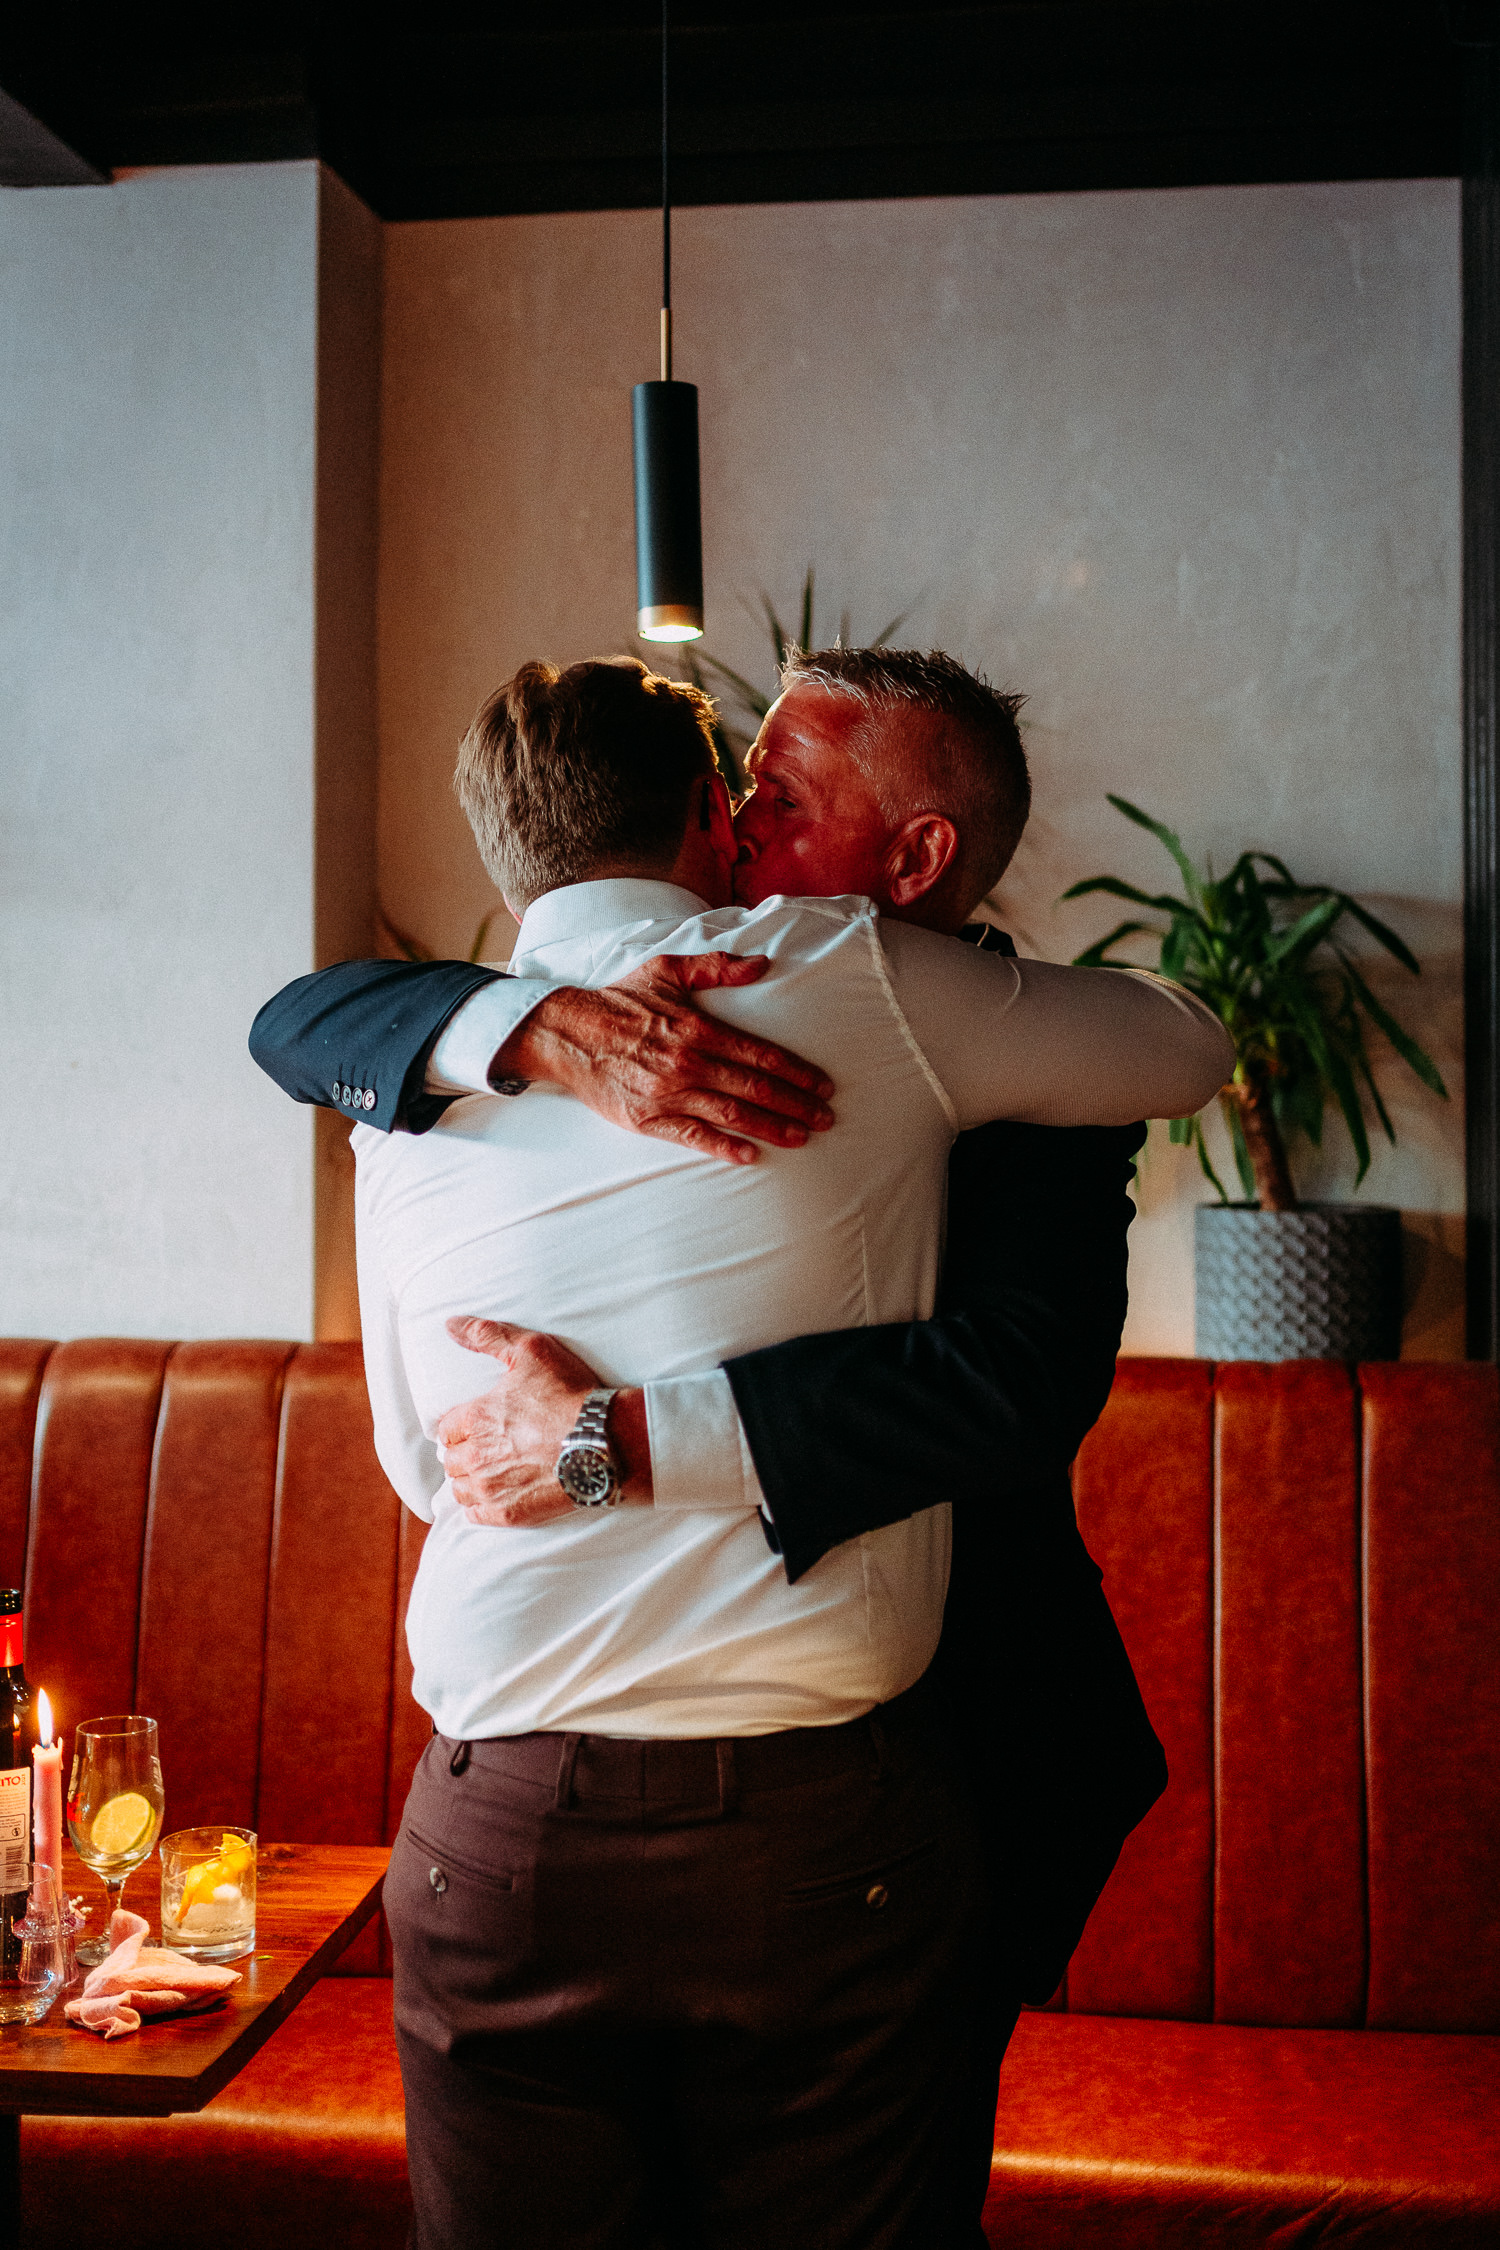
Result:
[666,217]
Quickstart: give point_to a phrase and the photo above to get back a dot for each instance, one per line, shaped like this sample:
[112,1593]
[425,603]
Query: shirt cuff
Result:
[700,1457]
[474,1034]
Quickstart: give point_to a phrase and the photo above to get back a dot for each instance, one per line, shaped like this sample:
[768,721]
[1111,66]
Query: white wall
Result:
[157,413]
[1183,465]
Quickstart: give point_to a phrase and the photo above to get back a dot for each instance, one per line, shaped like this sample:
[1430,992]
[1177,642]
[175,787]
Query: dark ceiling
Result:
[455,111]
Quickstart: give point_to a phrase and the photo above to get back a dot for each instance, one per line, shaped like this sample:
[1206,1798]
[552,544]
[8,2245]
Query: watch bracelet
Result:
[591,1430]
[592,1425]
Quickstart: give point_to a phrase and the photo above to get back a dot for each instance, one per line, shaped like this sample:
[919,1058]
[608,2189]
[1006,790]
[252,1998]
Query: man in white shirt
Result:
[684,1895]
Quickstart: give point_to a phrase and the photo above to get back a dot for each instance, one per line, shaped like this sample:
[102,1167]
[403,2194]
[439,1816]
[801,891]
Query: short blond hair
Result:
[567,775]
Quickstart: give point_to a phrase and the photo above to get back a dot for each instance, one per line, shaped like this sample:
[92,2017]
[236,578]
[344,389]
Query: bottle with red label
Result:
[15,1769]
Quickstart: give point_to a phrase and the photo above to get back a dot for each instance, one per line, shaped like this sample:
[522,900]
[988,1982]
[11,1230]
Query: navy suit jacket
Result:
[985,1405]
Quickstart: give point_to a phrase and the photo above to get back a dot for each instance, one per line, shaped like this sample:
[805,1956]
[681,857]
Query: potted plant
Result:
[1277,1278]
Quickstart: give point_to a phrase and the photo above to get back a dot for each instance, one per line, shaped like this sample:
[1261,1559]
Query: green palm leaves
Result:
[743,705]
[1267,954]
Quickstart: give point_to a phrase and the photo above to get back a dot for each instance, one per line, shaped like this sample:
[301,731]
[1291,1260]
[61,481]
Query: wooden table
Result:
[313,1899]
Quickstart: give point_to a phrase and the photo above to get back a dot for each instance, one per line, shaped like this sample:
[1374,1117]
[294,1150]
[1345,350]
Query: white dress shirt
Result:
[700,1456]
[656,1264]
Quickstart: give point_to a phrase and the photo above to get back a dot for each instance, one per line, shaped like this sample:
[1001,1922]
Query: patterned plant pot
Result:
[1322,1282]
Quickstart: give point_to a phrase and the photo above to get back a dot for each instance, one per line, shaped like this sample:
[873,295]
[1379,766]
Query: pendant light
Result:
[668,520]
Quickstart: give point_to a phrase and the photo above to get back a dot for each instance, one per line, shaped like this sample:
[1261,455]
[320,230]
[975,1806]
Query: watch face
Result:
[586,1474]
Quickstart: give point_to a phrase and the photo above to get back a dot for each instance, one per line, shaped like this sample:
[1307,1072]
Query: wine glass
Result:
[115,1805]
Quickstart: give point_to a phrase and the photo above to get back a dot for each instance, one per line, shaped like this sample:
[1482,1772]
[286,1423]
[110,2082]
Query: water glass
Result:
[31,1957]
[208,1892]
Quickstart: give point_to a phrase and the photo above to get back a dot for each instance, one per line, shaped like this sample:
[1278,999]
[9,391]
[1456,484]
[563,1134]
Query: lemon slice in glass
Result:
[120,1824]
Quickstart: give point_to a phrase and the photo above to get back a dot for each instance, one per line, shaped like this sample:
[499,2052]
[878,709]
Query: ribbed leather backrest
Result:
[331,1622]
[1432,1693]
[211,1540]
[1328,1850]
[1144,1489]
[23,1362]
[200,1665]
[1289,1888]
[1305,1566]
[331,1618]
[91,1482]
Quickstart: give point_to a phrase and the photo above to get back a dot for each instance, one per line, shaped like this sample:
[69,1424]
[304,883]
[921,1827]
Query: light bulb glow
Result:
[44,1718]
[671,632]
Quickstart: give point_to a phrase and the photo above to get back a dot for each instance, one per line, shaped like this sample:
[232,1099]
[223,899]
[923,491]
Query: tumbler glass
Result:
[31,1956]
[208,1892]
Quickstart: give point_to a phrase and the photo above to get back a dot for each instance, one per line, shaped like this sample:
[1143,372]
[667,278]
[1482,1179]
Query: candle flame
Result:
[44,1718]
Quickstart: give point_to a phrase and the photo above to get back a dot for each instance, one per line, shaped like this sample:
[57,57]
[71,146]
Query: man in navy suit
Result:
[986,1402]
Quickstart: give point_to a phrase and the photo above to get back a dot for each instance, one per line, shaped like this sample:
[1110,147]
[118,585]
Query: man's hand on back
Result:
[641,1054]
[500,1450]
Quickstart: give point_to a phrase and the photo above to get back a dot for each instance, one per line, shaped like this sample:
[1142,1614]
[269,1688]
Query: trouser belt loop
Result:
[567,1760]
[459,1761]
[729,1780]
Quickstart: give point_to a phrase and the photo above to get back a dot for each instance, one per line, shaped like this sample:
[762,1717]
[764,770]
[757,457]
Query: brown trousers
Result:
[695,1995]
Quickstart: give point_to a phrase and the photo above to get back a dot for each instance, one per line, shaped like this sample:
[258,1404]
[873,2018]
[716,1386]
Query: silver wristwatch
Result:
[586,1467]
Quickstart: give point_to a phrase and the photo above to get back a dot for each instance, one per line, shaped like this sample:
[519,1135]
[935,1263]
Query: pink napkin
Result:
[143,1980]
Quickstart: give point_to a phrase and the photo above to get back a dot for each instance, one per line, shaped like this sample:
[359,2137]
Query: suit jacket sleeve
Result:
[864,1427]
[364,1028]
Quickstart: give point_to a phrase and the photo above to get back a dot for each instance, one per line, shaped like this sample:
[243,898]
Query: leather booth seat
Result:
[306,2147]
[204,1533]
[1280,2027]
[1115,2134]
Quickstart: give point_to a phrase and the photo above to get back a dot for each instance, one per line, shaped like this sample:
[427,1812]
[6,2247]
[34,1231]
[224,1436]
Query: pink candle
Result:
[46,1759]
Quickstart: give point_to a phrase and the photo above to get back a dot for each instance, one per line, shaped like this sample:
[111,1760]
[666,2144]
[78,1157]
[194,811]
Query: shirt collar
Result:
[589,909]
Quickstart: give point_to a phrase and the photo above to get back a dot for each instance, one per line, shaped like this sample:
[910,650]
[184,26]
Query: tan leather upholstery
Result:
[203,1571]
[1306,1569]
[23,1362]
[305,2150]
[1144,1490]
[1123,2134]
[1432,1677]
[1289,1876]
[95,1444]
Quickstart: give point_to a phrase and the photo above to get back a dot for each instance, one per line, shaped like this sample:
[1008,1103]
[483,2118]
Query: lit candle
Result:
[46,1759]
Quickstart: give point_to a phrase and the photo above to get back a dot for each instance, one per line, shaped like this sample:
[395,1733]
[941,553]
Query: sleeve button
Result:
[876,1895]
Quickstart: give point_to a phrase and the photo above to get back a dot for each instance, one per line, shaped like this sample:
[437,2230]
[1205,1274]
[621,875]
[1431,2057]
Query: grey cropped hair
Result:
[963,757]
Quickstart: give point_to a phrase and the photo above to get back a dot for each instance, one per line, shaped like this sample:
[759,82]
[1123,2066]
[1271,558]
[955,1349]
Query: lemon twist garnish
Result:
[227,1866]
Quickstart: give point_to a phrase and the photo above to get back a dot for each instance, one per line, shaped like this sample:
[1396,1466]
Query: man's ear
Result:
[918,855]
[716,818]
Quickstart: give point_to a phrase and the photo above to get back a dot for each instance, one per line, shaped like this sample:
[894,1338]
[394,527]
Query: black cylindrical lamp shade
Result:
[668,521]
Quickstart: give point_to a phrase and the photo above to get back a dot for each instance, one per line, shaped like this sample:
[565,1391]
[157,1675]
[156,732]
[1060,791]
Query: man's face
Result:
[811,828]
